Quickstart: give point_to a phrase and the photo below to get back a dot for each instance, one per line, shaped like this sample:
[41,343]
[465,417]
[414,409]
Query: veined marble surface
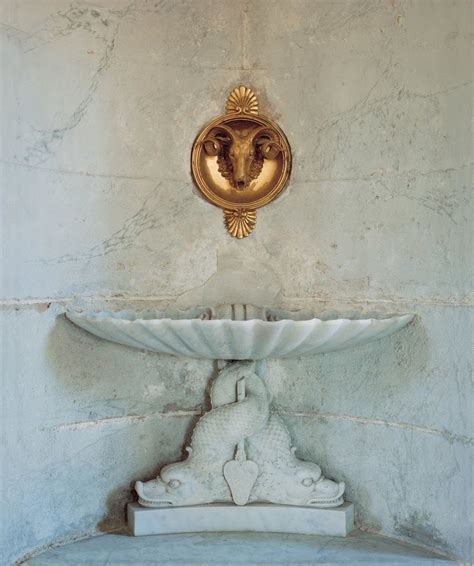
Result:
[236,548]
[101,104]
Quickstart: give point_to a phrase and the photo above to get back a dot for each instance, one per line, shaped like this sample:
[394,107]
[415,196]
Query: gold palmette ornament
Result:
[241,161]
[242,99]
[240,222]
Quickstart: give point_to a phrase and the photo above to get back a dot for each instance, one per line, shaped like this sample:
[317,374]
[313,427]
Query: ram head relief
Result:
[241,161]
[240,153]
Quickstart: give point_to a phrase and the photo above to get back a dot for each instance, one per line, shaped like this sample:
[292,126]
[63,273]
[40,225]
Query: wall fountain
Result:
[242,471]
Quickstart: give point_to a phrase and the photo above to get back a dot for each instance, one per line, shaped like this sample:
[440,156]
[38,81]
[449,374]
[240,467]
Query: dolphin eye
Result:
[307,482]
[174,483]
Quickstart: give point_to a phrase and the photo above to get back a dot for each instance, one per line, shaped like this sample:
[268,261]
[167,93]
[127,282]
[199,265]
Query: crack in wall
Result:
[143,220]
[408,540]
[245,36]
[127,419]
[133,419]
[452,437]
[60,171]
[130,177]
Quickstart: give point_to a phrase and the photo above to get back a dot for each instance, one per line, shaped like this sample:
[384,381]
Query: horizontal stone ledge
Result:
[133,302]
[255,517]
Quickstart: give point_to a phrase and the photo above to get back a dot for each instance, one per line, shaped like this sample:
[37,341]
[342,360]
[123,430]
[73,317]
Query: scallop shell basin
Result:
[225,339]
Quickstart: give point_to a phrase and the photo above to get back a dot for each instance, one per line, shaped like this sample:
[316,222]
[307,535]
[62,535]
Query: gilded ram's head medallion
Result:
[241,161]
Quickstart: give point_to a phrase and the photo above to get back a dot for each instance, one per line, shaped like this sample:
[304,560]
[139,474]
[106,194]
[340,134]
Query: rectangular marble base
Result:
[256,517]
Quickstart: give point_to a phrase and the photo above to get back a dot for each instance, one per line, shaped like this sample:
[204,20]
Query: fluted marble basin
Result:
[261,336]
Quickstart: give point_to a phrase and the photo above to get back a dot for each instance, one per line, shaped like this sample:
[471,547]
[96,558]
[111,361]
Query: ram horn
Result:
[268,142]
[213,142]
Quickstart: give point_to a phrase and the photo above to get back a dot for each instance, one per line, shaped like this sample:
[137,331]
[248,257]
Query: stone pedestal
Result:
[255,517]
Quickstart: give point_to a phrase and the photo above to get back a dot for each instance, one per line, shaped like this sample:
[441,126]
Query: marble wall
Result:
[101,101]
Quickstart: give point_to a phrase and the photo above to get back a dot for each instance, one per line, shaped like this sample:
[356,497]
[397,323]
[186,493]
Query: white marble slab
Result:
[222,549]
[337,521]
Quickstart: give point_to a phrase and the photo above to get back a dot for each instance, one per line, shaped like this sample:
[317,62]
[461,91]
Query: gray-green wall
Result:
[101,102]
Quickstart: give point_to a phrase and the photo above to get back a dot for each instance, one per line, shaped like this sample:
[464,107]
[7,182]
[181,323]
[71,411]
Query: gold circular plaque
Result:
[241,161]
